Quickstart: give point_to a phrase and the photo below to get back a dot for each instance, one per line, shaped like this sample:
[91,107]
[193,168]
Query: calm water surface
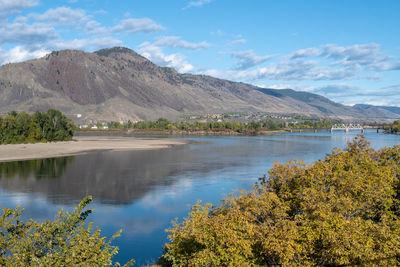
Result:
[140,192]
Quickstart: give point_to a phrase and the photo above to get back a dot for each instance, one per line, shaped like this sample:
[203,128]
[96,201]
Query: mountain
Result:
[119,84]
[386,111]
[322,104]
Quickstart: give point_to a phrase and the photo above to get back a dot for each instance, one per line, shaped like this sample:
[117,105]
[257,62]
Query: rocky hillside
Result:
[119,84]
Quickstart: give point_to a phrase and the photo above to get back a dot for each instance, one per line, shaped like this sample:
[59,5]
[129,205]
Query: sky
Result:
[346,50]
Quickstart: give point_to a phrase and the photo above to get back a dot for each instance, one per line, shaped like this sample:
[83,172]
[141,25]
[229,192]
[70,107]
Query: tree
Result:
[395,127]
[39,127]
[342,210]
[63,242]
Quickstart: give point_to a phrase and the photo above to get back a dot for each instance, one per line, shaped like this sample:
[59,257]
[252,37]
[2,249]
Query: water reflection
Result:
[124,177]
[118,178]
[38,168]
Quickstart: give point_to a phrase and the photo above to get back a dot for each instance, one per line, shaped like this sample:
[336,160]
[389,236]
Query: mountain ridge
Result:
[119,84]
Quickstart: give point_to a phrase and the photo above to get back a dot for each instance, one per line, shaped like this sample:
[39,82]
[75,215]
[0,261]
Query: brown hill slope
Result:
[119,84]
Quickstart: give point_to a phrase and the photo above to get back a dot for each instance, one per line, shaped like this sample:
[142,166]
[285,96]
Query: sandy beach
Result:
[81,145]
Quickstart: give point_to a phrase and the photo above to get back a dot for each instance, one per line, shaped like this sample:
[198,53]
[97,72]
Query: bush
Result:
[342,210]
[63,242]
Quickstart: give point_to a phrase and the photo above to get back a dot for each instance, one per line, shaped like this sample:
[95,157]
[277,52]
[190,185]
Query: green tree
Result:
[62,242]
[395,128]
[342,210]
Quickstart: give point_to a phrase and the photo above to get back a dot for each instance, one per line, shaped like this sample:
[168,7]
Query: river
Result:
[141,192]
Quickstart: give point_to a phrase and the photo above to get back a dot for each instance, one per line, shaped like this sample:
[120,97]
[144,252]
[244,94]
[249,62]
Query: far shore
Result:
[177,133]
[82,145]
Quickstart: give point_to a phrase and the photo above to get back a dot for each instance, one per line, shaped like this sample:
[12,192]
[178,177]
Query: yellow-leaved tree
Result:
[341,210]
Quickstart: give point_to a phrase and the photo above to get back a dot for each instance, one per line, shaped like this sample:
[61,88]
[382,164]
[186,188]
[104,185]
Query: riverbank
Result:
[177,132]
[82,145]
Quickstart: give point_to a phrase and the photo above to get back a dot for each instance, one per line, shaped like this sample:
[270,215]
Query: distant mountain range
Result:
[383,111]
[119,84]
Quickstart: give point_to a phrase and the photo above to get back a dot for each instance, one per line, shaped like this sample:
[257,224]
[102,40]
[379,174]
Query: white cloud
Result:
[19,54]
[34,34]
[358,52]
[155,54]
[28,34]
[11,7]
[137,25]
[61,16]
[238,41]
[330,62]
[218,32]
[153,51]
[87,44]
[94,27]
[197,3]
[177,42]
[22,52]
[308,52]
[284,71]
[247,59]
[393,86]
[358,56]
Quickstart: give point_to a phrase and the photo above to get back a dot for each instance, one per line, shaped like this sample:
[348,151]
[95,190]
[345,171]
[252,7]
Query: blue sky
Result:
[346,50]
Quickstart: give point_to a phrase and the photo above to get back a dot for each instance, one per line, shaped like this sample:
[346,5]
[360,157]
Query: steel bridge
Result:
[348,127]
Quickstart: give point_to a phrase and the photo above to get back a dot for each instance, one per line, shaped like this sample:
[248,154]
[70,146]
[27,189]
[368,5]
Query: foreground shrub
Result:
[342,210]
[62,242]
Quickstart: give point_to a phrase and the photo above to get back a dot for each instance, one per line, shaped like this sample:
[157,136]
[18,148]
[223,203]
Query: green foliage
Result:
[164,124]
[62,242]
[39,168]
[314,124]
[395,128]
[39,127]
[342,210]
[252,127]
[114,125]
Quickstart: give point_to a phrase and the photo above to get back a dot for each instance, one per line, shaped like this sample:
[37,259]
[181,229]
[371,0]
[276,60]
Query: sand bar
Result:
[82,145]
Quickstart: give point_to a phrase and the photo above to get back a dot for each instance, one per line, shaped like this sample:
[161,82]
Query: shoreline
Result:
[177,133]
[82,145]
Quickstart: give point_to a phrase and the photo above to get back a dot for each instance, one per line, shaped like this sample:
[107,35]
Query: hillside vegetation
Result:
[342,210]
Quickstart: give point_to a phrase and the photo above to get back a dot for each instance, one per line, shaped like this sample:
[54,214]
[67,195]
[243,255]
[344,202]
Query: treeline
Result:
[164,124]
[239,127]
[47,126]
[312,124]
